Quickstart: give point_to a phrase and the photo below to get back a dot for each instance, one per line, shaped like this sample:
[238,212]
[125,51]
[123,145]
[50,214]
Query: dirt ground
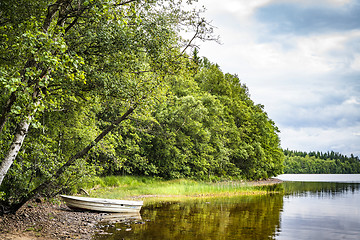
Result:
[42,220]
[46,220]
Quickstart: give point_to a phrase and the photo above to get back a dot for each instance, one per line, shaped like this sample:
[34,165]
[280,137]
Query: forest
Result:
[112,87]
[319,162]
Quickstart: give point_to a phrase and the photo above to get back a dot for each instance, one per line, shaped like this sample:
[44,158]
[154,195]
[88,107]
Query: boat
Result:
[102,205]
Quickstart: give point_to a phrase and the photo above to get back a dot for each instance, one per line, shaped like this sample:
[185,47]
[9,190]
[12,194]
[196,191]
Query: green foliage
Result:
[208,128]
[60,135]
[75,68]
[318,162]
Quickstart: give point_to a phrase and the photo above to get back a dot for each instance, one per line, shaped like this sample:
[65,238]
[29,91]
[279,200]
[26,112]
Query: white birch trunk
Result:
[23,127]
[15,146]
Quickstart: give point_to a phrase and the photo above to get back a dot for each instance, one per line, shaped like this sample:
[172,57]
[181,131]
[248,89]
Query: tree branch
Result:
[194,37]
[72,160]
[124,3]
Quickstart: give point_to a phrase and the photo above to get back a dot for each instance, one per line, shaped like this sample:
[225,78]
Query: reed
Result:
[129,187]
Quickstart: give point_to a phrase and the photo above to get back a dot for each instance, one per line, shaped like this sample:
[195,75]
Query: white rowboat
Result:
[102,205]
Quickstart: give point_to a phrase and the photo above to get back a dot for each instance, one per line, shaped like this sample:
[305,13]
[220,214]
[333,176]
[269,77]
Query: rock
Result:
[50,221]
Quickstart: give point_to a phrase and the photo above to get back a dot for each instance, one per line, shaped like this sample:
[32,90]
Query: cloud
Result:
[301,19]
[307,76]
[316,3]
[353,101]
[251,45]
[343,140]
[242,9]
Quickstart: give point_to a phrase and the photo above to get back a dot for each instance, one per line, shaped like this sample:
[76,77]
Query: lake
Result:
[308,207]
[320,206]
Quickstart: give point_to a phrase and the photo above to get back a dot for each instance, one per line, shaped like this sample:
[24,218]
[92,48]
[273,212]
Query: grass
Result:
[119,187]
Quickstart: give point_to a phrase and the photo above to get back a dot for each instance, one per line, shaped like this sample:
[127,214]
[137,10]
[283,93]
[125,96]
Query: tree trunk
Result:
[15,146]
[71,161]
[52,10]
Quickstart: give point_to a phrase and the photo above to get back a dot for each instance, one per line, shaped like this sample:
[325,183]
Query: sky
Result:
[301,60]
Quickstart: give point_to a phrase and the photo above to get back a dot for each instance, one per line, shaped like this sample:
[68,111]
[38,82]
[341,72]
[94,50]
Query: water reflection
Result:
[220,218]
[121,217]
[320,211]
[320,189]
[300,211]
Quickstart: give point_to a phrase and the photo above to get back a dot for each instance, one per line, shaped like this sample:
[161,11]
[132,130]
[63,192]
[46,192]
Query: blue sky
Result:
[301,60]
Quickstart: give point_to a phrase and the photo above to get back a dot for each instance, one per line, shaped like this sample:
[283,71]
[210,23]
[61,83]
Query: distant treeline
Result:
[319,162]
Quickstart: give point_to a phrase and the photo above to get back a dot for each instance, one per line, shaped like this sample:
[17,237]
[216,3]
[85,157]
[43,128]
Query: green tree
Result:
[116,53]
[210,128]
[330,162]
[253,140]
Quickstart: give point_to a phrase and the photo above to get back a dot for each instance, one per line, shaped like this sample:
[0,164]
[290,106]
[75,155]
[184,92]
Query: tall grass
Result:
[142,187]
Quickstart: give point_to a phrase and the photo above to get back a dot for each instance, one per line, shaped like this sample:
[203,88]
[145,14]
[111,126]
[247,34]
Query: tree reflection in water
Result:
[246,217]
[288,214]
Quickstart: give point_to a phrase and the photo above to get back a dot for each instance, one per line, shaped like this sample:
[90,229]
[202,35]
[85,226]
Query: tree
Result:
[208,129]
[107,51]
[330,162]
[252,136]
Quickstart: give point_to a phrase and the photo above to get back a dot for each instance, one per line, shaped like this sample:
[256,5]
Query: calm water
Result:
[310,207]
[321,207]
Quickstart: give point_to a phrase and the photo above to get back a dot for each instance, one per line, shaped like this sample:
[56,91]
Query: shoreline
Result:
[44,220]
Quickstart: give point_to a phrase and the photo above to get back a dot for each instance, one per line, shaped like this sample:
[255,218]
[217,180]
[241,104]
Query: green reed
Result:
[120,187]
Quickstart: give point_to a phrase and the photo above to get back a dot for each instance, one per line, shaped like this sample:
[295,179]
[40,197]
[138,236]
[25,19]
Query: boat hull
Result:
[102,205]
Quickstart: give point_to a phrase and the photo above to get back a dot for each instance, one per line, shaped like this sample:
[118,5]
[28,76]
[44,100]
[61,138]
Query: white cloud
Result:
[241,8]
[303,80]
[344,140]
[334,3]
[244,8]
[353,101]
[244,48]
[355,64]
